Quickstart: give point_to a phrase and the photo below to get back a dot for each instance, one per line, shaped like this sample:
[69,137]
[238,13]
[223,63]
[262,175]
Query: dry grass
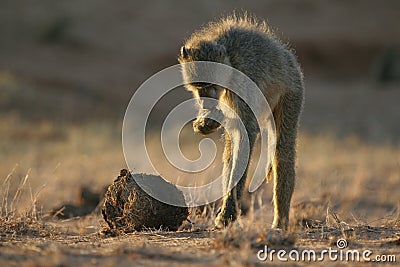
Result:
[339,205]
[15,223]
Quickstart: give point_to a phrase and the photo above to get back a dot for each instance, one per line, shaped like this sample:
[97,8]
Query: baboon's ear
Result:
[184,52]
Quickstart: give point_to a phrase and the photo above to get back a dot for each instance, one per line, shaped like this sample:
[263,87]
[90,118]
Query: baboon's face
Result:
[207,96]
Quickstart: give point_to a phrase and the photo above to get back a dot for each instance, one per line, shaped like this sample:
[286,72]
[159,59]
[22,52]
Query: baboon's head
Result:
[207,94]
[203,51]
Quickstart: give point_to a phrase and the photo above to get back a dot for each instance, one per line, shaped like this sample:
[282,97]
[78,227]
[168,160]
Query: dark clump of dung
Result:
[86,202]
[127,207]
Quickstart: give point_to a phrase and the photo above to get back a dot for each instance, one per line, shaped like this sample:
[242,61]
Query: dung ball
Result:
[127,207]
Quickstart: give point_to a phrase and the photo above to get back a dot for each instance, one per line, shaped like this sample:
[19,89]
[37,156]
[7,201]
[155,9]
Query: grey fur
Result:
[251,47]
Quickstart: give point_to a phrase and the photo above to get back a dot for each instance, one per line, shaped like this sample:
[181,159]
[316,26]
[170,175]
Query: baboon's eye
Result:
[209,91]
[201,85]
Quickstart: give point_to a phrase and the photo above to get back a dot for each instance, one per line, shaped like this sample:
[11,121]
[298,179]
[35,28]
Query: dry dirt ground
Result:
[68,70]
[78,241]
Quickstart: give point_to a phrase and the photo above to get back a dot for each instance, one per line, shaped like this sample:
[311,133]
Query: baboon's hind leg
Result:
[286,116]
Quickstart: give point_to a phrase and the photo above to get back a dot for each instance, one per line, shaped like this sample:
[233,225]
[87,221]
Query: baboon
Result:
[249,45]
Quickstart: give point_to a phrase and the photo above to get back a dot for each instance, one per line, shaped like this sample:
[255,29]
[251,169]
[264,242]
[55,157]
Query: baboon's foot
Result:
[280,237]
[280,223]
[273,234]
[224,218]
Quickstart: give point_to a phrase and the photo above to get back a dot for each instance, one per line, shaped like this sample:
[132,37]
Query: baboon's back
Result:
[251,47]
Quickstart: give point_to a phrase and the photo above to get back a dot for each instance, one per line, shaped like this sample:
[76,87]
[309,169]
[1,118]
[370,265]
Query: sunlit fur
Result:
[251,47]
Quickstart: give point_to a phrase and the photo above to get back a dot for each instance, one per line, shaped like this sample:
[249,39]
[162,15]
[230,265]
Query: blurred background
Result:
[68,70]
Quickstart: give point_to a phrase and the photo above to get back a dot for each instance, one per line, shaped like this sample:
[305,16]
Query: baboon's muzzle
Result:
[205,126]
